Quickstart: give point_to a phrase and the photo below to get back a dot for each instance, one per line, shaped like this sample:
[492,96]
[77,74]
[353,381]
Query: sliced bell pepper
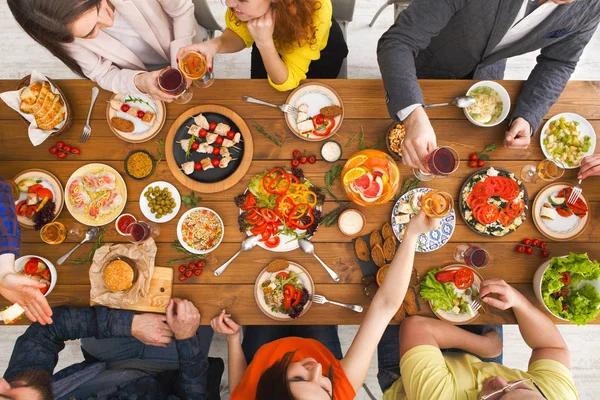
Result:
[249,202]
[300,211]
[324,128]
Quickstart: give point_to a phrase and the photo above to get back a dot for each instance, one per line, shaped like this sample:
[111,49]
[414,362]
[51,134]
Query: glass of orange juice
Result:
[370,178]
[437,204]
[193,66]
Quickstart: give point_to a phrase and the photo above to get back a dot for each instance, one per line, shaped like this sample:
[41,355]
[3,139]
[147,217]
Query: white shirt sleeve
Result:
[405,112]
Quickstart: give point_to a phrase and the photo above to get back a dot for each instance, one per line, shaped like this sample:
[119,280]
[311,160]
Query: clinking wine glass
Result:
[548,170]
[441,162]
[437,204]
[473,256]
[193,66]
[171,81]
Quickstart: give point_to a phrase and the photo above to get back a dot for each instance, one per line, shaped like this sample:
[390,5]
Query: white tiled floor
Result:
[18,54]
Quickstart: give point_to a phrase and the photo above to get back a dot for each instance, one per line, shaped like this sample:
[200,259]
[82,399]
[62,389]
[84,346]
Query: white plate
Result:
[503,96]
[449,316]
[562,228]
[585,129]
[142,132]
[49,181]
[144,203]
[180,237]
[20,264]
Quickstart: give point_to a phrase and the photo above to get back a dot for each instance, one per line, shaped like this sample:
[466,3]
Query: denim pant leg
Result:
[257,335]
[325,334]
[388,357]
[479,330]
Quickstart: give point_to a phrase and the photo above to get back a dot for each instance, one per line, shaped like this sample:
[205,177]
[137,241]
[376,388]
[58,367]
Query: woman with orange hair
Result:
[291,40]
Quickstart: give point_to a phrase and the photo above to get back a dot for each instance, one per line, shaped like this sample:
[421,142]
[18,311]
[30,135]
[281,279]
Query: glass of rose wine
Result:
[437,204]
[548,170]
[473,256]
[193,66]
[171,81]
[441,162]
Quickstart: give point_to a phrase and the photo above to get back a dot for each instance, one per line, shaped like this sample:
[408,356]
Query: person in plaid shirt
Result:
[14,287]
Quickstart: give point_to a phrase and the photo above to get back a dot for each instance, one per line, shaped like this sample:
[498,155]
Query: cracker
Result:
[389,248]
[387,231]
[377,256]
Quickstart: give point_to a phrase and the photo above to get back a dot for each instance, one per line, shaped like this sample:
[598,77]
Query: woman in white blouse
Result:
[120,44]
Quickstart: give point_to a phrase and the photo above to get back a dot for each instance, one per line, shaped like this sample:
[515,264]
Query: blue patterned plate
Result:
[432,240]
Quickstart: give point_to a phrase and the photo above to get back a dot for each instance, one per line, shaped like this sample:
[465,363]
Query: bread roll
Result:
[118,276]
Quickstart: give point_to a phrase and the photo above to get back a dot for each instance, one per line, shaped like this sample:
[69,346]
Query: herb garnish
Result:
[96,246]
[409,183]
[489,148]
[132,99]
[334,173]
[161,150]
[360,136]
[189,256]
[190,201]
[272,138]
[332,216]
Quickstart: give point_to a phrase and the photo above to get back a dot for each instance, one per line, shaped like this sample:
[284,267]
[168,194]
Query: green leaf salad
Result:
[442,295]
[564,291]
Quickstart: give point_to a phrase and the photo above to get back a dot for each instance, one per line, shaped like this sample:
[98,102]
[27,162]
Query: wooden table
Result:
[364,107]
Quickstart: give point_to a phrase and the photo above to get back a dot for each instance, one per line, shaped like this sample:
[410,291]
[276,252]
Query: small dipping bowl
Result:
[329,147]
[151,159]
[120,232]
[351,214]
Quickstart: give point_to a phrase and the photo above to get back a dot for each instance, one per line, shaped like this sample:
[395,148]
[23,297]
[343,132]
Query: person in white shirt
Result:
[120,44]
[465,39]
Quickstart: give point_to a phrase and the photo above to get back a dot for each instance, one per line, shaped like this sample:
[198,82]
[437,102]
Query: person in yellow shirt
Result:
[291,40]
[427,373]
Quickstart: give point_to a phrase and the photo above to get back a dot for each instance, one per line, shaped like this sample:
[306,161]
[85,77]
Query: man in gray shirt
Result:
[471,39]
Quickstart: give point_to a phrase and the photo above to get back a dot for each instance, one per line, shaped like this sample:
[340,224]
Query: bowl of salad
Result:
[450,292]
[567,138]
[569,288]
[282,290]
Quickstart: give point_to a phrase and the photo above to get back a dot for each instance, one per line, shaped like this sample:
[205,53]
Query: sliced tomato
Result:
[253,217]
[515,208]
[487,214]
[45,289]
[272,242]
[564,213]
[259,229]
[45,193]
[464,278]
[288,296]
[268,214]
[505,219]
[482,190]
[284,275]
[30,211]
[34,188]
[297,298]
[266,234]
[445,276]
[512,190]
[249,202]
[566,278]
[45,274]
[21,208]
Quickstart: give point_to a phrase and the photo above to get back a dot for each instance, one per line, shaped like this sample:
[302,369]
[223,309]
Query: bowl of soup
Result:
[492,104]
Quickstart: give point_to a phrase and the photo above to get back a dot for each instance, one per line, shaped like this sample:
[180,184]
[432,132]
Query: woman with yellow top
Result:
[291,40]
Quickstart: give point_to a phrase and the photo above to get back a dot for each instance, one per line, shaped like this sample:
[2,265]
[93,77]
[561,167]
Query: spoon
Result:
[247,244]
[460,101]
[309,248]
[91,234]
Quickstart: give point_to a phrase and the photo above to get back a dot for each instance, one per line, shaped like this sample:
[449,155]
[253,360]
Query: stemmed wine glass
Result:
[473,256]
[193,66]
[441,162]
[548,170]
[171,81]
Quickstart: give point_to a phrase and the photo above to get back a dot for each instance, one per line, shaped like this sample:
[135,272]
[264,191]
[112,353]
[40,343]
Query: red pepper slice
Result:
[295,222]
[268,214]
[21,208]
[249,202]
[277,181]
[324,128]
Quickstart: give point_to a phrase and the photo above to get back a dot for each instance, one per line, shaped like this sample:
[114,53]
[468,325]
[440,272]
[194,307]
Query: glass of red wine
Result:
[441,162]
[139,231]
[473,256]
[171,81]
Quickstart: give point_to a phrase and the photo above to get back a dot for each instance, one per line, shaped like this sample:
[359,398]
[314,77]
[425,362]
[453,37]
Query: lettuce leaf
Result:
[441,294]
[264,199]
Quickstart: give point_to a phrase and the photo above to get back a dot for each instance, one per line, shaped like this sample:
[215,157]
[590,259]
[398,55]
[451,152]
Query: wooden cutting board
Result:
[161,291]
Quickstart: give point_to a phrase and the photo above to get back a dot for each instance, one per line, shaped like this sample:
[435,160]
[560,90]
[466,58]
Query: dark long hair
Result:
[48,23]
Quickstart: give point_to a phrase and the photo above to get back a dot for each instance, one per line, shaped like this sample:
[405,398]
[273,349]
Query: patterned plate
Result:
[432,240]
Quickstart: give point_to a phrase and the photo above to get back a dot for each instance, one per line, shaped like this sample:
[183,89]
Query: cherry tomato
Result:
[473,157]
[197,272]
[59,145]
[295,162]
[215,162]
[472,164]
[188,273]
[526,242]
[480,163]
[216,151]
[197,166]
[66,148]
[312,159]
[230,134]
[75,150]
[212,126]
[565,307]
[320,120]
[125,107]
[182,268]
[219,140]
[529,250]
[195,146]
[521,248]
[202,132]
[52,150]
[190,266]
[296,153]
[545,253]
[303,159]
[140,114]
[181,277]
[200,264]
[61,154]
[544,245]
[535,242]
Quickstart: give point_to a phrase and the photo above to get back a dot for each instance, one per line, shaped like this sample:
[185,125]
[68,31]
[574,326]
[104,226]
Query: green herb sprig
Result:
[262,131]
[332,216]
[190,201]
[409,183]
[189,256]
[160,151]
[489,148]
[96,246]
[334,173]
[360,136]
[189,148]
[132,99]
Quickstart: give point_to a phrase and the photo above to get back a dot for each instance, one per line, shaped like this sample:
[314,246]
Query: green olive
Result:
[158,216]
[153,210]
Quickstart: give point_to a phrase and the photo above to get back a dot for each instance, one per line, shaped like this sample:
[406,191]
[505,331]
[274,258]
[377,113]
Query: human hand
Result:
[422,223]
[24,291]
[223,324]
[147,82]
[151,329]
[183,321]
[419,141]
[207,48]
[519,134]
[590,166]
[261,29]
[508,297]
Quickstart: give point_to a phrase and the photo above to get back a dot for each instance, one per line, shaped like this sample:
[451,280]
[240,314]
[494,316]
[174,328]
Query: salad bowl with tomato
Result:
[38,191]
[280,206]
[39,269]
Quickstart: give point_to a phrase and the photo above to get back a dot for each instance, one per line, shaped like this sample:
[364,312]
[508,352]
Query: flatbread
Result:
[375,239]
[361,249]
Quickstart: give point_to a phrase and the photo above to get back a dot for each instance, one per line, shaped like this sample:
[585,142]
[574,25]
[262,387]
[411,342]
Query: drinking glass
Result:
[171,81]
[56,232]
[548,170]
[437,204]
[441,162]
[473,256]
[193,66]
[139,231]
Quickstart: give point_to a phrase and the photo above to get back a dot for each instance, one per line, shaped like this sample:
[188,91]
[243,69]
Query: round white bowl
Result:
[537,286]
[20,264]
[503,96]
[180,224]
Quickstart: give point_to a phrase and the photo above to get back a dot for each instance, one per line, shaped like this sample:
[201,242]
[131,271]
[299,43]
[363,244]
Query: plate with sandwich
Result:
[557,219]
[135,118]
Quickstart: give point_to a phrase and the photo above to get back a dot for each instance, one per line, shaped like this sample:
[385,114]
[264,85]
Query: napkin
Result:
[13,100]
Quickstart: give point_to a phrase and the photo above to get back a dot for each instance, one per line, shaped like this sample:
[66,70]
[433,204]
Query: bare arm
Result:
[237,365]
[228,42]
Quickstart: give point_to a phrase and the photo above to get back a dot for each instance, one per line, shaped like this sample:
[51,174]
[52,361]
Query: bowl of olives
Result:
[160,201]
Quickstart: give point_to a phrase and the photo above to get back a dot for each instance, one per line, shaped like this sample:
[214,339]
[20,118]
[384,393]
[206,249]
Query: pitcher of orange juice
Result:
[370,178]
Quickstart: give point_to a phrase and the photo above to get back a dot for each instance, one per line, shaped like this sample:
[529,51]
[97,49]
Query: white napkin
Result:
[13,100]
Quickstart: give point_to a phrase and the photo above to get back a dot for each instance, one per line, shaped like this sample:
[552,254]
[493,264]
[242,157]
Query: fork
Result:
[317,298]
[286,108]
[577,190]
[87,129]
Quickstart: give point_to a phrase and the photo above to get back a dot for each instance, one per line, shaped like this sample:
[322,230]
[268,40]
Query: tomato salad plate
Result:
[282,290]
[40,200]
[320,112]
[450,292]
[555,218]
[407,206]
[135,118]
[493,202]
[281,206]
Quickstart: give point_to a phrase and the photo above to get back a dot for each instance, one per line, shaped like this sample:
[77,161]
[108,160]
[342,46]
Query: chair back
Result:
[205,17]
[343,10]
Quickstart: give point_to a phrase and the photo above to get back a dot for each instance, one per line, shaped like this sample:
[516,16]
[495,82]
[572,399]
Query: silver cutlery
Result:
[460,102]
[247,244]
[309,248]
[286,108]
[476,304]
[91,234]
[87,129]
[577,190]
[317,298]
